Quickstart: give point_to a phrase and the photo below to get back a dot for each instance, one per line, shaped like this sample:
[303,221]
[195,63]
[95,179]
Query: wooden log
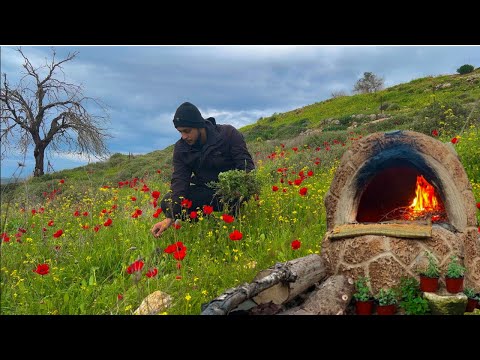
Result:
[411,231]
[308,270]
[231,298]
[330,298]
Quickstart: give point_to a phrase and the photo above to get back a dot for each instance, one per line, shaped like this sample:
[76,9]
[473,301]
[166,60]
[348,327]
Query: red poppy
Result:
[295,149]
[158,212]
[58,233]
[435,132]
[34,211]
[62,181]
[136,266]
[152,273]
[228,218]
[303,191]
[5,237]
[108,222]
[454,140]
[185,203]
[298,181]
[159,171]
[296,244]
[478,205]
[193,215]
[310,173]
[274,188]
[76,213]
[207,209]
[180,255]
[137,213]
[133,198]
[96,228]
[236,235]
[42,269]
[155,194]
[119,297]
[85,213]
[145,188]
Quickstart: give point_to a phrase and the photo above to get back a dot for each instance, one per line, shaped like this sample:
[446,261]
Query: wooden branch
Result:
[330,298]
[412,231]
[308,270]
[231,298]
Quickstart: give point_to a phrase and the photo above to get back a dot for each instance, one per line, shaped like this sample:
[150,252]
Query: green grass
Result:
[87,268]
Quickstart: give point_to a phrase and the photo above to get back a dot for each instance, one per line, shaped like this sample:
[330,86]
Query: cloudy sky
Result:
[143,85]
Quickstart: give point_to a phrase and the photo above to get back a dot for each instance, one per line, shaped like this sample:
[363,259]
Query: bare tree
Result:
[368,84]
[338,93]
[44,110]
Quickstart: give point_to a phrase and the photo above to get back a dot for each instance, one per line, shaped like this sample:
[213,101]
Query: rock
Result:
[448,304]
[154,303]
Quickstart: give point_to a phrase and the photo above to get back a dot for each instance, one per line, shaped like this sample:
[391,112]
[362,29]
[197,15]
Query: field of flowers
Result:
[87,248]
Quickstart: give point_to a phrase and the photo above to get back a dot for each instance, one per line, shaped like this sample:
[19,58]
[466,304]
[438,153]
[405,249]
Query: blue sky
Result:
[143,85]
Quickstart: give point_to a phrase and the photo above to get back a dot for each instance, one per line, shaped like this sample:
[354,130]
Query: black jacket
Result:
[224,150]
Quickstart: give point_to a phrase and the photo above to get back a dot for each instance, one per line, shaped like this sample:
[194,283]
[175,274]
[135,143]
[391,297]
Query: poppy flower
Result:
[193,215]
[42,269]
[303,191]
[274,188]
[207,209]
[435,132]
[236,235]
[478,205]
[454,140]
[108,222]
[58,233]
[152,273]
[296,244]
[155,194]
[227,218]
[62,181]
[136,266]
[185,203]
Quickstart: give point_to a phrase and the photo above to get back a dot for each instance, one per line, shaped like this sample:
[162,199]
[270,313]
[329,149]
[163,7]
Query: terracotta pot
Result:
[471,305]
[364,307]
[454,285]
[428,284]
[386,309]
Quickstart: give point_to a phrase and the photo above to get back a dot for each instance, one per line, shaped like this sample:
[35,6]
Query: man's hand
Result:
[161,226]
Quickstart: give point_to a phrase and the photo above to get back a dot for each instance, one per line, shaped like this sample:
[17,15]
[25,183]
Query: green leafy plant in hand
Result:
[235,186]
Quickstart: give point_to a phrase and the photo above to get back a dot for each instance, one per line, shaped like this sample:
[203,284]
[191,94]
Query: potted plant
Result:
[472,299]
[430,275]
[387,302]
[454,275]
[363,297]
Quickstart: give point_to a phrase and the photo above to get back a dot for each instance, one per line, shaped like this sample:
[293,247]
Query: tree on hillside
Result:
[465,69]
[44,110]
[368,84]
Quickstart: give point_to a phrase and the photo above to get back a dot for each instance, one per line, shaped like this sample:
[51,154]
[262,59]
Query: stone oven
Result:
[374,228]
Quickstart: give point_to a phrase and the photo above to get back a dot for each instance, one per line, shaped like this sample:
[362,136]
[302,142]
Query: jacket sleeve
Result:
[242,158]
[179,184]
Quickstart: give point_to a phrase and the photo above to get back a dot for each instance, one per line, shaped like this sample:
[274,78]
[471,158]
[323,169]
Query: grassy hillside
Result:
[78,241]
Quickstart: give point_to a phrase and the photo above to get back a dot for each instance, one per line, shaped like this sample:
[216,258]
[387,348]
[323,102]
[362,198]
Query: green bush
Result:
[454,269]
[386,297]
[465,69]
[411,299]
[362,291]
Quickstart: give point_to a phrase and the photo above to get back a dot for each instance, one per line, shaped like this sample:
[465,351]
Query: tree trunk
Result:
[39,154]
[330,298]
[308,271]
[231,298]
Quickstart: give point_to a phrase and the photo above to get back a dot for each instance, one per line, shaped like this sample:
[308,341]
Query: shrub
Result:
[465,69]
[432,270]
[411,299]
[454,269]
[363,292]
[386,297]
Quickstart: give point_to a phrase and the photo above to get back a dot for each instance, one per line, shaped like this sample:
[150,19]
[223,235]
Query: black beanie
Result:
[187,115]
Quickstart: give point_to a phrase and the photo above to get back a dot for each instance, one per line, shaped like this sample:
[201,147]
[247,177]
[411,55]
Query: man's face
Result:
[189,135]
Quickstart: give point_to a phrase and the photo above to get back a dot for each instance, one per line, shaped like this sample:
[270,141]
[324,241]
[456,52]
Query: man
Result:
[204,150]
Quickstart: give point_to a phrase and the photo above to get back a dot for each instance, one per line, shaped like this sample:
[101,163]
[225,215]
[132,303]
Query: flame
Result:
[425,198]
